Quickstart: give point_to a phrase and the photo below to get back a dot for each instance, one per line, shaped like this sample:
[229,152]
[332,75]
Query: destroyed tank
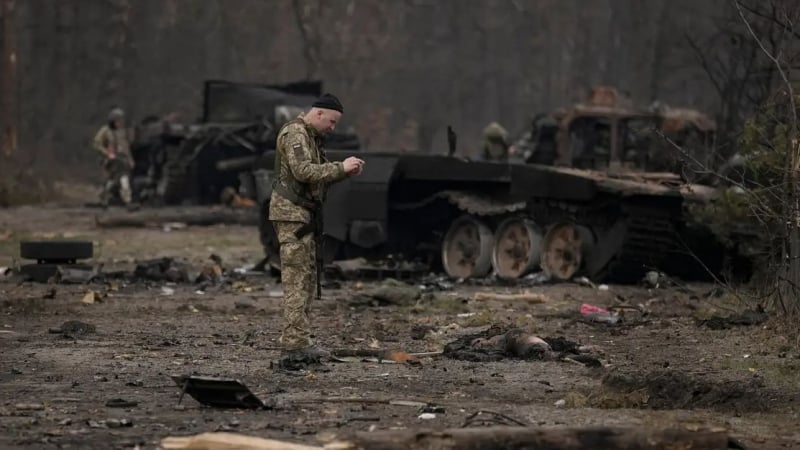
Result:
[594,206]
[196,163]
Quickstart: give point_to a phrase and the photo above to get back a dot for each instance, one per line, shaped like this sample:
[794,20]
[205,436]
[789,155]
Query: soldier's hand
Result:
[353,165]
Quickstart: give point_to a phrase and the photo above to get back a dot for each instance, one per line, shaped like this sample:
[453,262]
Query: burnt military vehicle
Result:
[195,163]
[593,206]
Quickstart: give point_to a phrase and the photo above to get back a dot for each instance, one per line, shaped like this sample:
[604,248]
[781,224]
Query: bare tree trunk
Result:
[8,78]
[791,281]
[117,44]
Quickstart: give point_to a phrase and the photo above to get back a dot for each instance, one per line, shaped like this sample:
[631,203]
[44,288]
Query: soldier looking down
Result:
[302,175]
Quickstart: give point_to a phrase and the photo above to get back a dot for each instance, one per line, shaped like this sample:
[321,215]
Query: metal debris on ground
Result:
[74,328]
[218,392]
[68,275]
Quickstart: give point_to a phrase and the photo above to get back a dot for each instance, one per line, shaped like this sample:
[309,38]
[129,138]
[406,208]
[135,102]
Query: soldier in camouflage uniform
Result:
[302,174]
[113,144]
[495,142]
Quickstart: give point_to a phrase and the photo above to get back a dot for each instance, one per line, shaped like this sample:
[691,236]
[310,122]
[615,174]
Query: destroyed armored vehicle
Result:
[583,211]
[654,139]
[195,163]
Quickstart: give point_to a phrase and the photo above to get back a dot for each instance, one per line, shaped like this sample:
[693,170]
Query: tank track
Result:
[650,241]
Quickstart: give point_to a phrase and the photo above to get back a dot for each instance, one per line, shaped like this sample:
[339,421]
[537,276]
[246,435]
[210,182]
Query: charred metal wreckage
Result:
[598,193]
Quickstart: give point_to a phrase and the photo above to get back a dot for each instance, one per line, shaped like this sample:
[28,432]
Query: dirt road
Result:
[660,369]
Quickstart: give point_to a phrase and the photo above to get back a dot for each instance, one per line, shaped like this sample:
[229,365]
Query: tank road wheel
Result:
[563,250]
[517,248]
[467,248]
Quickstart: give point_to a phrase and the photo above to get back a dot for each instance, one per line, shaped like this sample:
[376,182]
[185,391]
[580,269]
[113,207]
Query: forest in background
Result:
[404,69]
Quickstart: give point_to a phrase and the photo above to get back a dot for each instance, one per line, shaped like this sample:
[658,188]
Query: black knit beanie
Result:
[329,101]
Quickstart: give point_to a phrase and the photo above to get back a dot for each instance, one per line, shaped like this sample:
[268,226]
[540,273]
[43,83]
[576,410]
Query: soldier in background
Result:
[495,143]
[538,145]
[113,143]
[302,175]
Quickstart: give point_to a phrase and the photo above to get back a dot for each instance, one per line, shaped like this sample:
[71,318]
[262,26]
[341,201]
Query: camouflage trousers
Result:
[117,177]
[299,280]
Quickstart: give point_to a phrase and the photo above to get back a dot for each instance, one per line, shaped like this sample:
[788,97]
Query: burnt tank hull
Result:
[475,218]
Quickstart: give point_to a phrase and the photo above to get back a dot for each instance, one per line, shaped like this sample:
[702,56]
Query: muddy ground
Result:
[661,369]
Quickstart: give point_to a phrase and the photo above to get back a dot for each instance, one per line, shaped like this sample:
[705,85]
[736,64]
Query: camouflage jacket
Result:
[117,141]
[301,171]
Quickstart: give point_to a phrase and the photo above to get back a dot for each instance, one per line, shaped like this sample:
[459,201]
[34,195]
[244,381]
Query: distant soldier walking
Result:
[113,144]
[302,175]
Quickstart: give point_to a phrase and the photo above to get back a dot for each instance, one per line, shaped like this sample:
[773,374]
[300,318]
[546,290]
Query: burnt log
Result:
[188,216]
[510,438]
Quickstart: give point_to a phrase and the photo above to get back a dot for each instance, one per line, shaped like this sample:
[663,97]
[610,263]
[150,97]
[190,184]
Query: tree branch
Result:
[773,59]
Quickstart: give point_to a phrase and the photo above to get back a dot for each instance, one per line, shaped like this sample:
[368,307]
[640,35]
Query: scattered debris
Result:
[76,274]
[529,297]
[218,392]
[299,361]
[166,290]
[361,268]
[121,403]
[211,272]
[73,329]
[656,280]
[480,419]
[379,355]
[748,317]
[599,315]
[91,297]
[109,423]
[163,269]
[169,226]
[419,331]
[390,292]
